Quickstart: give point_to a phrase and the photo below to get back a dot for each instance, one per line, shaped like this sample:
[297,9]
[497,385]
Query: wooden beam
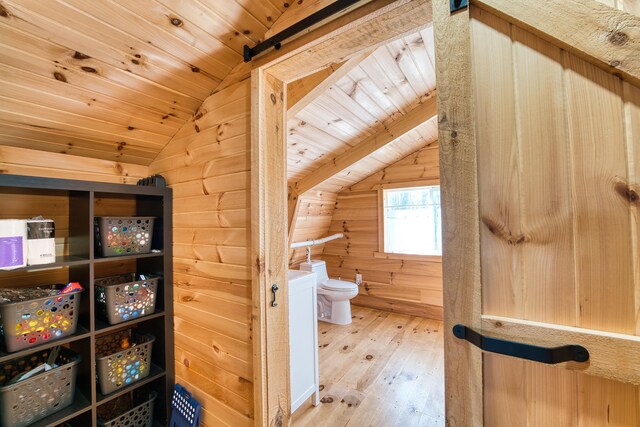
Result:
[396,21]
[269,250]
[606,37]
[302,92]
[460,219]
[365,28]
[369,145]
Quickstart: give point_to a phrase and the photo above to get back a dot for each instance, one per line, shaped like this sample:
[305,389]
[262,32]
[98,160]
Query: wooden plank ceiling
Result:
[116,79]
[364,105]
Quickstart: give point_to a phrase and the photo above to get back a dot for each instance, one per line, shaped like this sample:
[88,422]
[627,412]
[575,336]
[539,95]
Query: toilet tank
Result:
[317,266]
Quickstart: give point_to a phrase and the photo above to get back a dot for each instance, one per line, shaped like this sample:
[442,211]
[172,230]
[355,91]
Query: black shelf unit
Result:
[80,263]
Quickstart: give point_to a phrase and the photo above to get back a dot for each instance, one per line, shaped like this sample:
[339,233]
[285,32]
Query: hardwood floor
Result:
[384,369]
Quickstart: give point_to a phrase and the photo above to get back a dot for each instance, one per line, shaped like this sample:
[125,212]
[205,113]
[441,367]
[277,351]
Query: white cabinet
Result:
[303,337]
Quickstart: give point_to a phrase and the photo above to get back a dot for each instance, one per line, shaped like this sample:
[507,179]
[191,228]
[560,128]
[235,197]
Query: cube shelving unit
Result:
[73,206]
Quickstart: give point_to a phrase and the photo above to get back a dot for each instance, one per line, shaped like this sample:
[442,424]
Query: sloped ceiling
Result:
[385,86]
[116,79]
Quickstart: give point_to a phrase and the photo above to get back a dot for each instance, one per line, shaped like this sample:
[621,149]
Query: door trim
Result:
[461,226]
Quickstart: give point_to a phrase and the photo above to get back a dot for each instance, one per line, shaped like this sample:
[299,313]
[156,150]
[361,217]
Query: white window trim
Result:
[381,254]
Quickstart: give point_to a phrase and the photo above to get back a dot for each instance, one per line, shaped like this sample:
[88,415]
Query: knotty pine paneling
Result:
[558,172]
[312,222]
[403,286]
[385,86]
[208,166]
[116,80]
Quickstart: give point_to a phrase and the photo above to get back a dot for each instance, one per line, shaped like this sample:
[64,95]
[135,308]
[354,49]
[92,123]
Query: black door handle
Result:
[274,288]
[551,356]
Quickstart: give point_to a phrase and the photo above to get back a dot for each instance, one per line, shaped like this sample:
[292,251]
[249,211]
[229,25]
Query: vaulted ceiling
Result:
[371,112]
[116,79]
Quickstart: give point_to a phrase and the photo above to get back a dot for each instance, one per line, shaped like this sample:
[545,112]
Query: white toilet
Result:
[333,295]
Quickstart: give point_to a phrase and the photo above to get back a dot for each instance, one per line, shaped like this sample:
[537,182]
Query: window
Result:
[411,221]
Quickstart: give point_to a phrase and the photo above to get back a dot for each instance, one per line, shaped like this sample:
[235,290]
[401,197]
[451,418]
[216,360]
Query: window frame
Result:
[381,254]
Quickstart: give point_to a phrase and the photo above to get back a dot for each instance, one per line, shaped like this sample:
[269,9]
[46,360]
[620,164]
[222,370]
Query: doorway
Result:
[271,211]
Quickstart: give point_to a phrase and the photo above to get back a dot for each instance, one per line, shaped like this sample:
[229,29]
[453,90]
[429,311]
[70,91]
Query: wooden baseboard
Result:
[401,307]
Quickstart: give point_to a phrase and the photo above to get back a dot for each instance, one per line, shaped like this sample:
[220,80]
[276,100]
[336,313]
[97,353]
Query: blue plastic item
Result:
[185,409]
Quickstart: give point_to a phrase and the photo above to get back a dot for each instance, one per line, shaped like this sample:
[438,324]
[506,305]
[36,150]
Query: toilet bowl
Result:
[334,296]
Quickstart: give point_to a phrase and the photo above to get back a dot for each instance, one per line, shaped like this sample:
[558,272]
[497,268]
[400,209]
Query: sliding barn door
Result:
[539,112]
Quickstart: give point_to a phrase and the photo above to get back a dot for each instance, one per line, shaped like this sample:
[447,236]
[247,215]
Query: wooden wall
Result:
[399,285]
[208,166]
[23,161]
[312,222]
[559,170]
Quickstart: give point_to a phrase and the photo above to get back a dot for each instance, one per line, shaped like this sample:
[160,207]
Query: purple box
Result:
[12,252]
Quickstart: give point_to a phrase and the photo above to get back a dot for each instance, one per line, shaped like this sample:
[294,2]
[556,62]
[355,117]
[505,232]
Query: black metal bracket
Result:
[153,181]
[276,40]
[456,5]
[565,353]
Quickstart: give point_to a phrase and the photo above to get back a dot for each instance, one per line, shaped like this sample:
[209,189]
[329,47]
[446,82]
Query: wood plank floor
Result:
[384,369]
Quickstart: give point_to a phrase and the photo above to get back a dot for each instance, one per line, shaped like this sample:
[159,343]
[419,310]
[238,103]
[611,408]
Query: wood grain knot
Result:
[79,55]
[197,128]
[60,77]
[368,357]
[176,21]
[618,38]
[498,324]
[121,145]
[454,134]
[627,192]
[273,98]
[186,362]
[278,419]
[195,69]
[135,61]
[503,233]
[89,69]
[326,399]
[4,12]
[259,265]
[187,299]
[615,63]
[130,128]
[321,387]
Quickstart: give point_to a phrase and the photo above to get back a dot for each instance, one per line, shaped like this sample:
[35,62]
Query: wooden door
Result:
[539,113]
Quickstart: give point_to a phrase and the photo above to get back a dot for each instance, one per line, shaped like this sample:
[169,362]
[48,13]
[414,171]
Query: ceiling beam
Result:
[602,35]
[302,92]
[365,28]
[369,145]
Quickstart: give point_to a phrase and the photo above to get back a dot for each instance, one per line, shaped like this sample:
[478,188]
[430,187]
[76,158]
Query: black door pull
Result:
[274,288]
[565,353]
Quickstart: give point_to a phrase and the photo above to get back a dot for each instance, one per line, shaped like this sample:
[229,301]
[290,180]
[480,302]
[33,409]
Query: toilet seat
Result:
[338,285]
